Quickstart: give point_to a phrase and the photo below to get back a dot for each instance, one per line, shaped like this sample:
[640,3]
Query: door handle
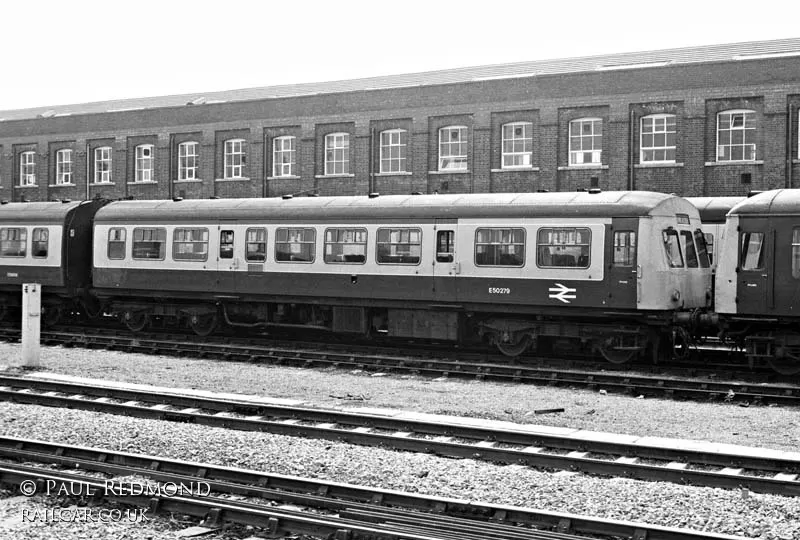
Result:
[764,275]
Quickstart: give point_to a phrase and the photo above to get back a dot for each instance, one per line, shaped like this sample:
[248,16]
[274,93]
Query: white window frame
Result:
[577,155]
[187,163]
[337,154]
[143,165]
[27,168]
[656,131]
[284,147]
[103,165]
[63,167]
[453,154]
[235,151]
[744,129]
[525,156]
[393,141]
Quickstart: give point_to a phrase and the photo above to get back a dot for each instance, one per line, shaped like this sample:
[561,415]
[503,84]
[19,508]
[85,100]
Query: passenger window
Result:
[346,246]
[149,243]
[295,245]
[672,247]
[226,244]
[796,252]
[688,248]
[709,238]
[256,245]
[563,247]
[13,242]
[500,247]
[39,242]
[190,244]
[702,250]
[624,248]
[445,246]
[116,243]
[399,246]
[752,254]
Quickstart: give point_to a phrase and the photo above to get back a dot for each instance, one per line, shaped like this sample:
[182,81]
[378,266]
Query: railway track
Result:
[663,386]
[341,510]
[550,448]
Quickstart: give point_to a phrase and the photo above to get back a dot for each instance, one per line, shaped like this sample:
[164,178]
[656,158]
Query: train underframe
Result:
[617,338]
[776,343]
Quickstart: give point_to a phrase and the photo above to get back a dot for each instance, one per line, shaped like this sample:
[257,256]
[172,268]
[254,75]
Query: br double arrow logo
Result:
[563,293]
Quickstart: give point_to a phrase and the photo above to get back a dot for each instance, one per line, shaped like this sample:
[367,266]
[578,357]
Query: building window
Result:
[64,167]
[394,144]
[149,243]
[517,145]
[13,242]
[284,155]
[586,141]
[187,160]
[657,140]
[27,169]
[256,245]
[295,245]
[144,163]
[116,243]
[190,244]
[39,241]
[337,153]
[399,246]
[736,136]
[500,247]
[346,246]
[235,158]
[565,247]
[453,148]
[102,165]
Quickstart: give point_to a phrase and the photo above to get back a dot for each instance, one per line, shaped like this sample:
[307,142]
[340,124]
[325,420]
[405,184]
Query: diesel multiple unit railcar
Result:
[604,271]
[758,278]
[47,243]
[713,212]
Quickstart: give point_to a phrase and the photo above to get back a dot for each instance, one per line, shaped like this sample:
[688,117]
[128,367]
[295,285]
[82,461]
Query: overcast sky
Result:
[74,52]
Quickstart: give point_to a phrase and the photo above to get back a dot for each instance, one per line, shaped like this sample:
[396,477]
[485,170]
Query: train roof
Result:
[770,203]
[714,209]
[499,205]
[36,212]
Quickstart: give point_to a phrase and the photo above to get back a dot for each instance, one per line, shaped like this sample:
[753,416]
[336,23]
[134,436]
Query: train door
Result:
[229,258]
[786,266]
[622,275]
[756,252]
[445,261]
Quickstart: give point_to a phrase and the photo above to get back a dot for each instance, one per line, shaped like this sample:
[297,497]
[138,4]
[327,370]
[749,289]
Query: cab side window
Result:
[752,251]
[688,248]
[672,247]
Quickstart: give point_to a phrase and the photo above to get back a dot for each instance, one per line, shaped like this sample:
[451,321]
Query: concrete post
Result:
[31,323]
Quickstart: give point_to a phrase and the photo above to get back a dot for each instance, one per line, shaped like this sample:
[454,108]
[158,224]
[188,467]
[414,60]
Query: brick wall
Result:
[694,94]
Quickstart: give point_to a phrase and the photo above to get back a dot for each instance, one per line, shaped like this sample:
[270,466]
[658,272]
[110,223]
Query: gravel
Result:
[722,511]
[717,510]
[771,427]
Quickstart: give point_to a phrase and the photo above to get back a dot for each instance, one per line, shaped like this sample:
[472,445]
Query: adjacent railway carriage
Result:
[47,243]
[604,270]
[758,278]
[712,214]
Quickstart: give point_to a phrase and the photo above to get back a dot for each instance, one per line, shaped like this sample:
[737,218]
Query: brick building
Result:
[701,121]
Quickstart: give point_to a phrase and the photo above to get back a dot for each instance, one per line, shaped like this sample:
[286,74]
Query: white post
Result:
[31,323]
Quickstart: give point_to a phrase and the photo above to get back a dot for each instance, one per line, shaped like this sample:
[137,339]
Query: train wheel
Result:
[785,365]
[518,345]
[135,321]
[52,315]
[203,325]
[613,351]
